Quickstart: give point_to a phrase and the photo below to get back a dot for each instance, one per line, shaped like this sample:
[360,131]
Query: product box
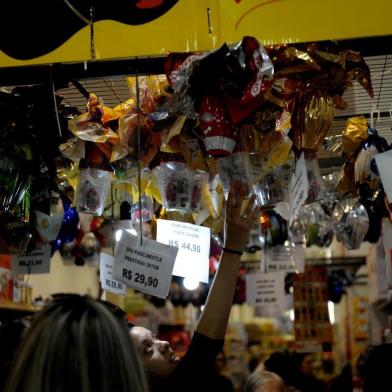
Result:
[6,282]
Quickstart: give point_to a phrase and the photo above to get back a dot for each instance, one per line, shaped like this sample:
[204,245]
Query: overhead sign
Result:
[193,243]
[62,32]
[145,267]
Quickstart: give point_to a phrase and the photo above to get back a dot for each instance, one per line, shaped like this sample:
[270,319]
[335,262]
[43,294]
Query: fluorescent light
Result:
[331,312]
[292,314]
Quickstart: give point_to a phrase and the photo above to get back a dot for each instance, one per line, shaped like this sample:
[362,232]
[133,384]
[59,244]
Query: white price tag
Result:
[265,289]
[36,262]
[193,243]
[147,268]
[282,258]
[384,164]
[106,276]
[299,188]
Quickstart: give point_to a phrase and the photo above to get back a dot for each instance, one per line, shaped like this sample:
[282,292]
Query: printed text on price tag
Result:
[36,262]
[265,289]
[193,243]
[106,276]
[282,258]
[147,268]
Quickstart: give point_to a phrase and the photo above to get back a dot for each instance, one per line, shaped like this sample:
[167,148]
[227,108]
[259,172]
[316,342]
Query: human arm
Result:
[215,316]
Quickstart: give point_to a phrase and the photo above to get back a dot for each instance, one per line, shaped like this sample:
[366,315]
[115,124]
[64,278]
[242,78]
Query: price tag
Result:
[106,277]
[265,289]
[384,164]
[147,268]
[36,262]
[299,188]
[282,258]
[193,243]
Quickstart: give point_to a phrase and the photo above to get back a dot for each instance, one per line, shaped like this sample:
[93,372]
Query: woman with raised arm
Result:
[195,371]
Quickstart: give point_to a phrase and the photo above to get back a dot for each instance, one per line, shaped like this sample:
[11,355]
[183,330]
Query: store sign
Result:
[299,188]
[108,283]
[146,266]
[193,243]
[384,165]
[281,258]
[36,262]
[265,289]
[165,27]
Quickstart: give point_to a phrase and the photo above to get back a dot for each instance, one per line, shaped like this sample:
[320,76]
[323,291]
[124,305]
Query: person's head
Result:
[159,360]
[305,363]
[77,344]
[264,381]
[374,366]
[10,336]
[283,364]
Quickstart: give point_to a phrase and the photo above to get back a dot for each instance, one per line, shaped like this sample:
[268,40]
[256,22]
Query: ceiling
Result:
[114,90]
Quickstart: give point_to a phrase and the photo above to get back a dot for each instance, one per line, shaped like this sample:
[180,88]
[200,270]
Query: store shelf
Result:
[13,307]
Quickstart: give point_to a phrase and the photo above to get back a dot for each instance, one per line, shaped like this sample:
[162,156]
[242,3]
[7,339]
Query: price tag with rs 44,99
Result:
[193,244]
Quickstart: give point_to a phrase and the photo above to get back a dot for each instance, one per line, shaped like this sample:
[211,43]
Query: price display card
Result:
[147,267]
[265,289]
[384,164]
[193,243]
[36,262]
[299,188]
[106,276]
[281,258]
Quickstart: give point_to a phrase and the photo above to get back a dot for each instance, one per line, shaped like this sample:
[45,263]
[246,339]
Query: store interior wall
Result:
[65,279]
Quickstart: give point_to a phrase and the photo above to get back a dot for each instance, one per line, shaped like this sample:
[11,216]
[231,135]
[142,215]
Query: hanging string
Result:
[112,216]
[139,168]
[92,37]
[382,81]
[56,110]
[76,12]
[264,231]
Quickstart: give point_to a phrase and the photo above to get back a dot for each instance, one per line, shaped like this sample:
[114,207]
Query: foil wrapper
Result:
[313,223]
[354,135]
[351,222]
[311,118]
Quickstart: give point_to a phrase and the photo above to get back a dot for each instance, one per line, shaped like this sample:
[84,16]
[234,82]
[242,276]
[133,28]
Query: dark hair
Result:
[284,365]
[10,337]
[77,344]
[375,366]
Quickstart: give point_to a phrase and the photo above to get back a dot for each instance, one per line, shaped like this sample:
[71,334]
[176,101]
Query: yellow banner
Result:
[156,27]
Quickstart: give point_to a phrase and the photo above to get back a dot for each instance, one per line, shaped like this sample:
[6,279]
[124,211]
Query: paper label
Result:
[36,262]
[282,258]
[384,165]
[299,188]
[193,243]
[147,268]
[265,289]
[106,276]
